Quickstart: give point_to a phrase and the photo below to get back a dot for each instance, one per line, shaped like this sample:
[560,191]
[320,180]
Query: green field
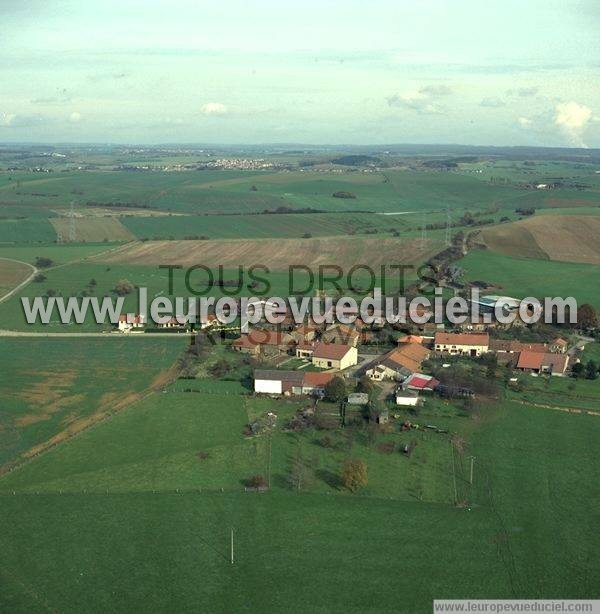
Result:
[521,277]
[528,530]
[262,226]
[233,191]
[52,388]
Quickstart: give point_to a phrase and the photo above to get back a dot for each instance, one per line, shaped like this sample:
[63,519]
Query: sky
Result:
[478,72]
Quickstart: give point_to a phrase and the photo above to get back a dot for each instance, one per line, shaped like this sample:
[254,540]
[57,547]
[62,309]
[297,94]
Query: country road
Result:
[105,335]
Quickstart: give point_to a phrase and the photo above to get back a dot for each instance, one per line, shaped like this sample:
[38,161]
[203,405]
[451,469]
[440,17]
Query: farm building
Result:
[291,382]
[506,346]
[536,362]
[261,341]
[278,382]
[419,382]
[399,363]
[358,398]
[314,383]
[406,398]
[334,356]
[462,344]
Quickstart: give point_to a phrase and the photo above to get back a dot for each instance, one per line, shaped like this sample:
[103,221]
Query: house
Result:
[305,350]
[406,398]
[419,382]
[462,344]
[260,341]
[278,382]
[334,356]
[399,363]
[304,333]
[171,322]
[342,334]
[291,382]
[129,322]
[536,362]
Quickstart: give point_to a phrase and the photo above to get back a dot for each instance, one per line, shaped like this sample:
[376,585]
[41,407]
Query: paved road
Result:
[23,283]
[107,335]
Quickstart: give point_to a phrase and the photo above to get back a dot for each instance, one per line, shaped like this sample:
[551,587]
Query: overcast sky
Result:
[509,72]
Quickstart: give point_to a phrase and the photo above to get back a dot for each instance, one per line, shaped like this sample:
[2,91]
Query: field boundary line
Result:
[567,410]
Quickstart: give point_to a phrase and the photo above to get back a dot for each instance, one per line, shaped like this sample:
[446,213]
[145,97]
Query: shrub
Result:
[354,474]
[256,481]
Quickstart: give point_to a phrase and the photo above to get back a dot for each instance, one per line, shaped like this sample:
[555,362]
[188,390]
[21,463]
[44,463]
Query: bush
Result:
[123,287]
[354,474]
[42,262]
[39,278]
[343,194]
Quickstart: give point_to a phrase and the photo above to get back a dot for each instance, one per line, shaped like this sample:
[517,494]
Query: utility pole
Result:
[232,545]
[424,230]
[72,222]
[471,476]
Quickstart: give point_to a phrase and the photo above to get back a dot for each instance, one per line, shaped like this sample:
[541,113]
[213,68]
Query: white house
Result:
[128,322]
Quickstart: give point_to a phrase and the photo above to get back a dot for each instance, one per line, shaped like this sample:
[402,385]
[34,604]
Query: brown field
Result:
[569,238]
[12,274]
[92,229]
[277,254]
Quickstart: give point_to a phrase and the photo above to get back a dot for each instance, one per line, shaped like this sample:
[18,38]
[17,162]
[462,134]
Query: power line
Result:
[72,222]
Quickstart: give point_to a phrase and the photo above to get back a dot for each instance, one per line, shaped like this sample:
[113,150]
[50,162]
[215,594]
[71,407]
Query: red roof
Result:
[478,339]
[312,378]
[331,351]
[530,360]
[263,337]
[410,339]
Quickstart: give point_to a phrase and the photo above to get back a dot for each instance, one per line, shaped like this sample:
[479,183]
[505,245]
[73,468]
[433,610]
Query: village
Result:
[382,366]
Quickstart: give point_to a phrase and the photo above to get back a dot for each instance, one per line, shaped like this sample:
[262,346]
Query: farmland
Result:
[48,393]
[521,277]
[92,229]
[570,238]
[262,226]
[12,273]
[276,254]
